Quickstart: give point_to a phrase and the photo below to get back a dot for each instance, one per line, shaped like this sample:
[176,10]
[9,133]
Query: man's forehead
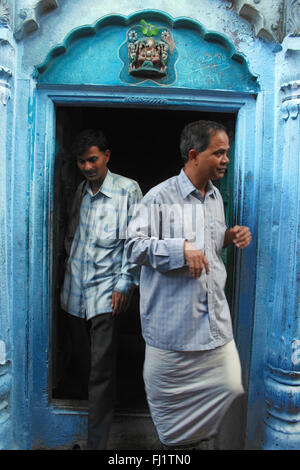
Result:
[219,139]
[92,151]
[86,157]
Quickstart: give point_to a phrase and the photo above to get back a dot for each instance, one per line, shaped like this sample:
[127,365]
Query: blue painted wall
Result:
[98,55]
[76,57]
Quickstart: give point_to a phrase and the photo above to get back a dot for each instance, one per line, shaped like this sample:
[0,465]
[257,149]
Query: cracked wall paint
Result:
[2,352]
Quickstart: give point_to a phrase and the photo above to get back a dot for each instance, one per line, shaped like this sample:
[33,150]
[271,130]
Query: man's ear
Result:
[192,154]
[107,153]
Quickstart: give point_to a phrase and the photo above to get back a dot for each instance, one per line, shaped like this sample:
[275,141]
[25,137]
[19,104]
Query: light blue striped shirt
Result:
[97,264]
[179,312]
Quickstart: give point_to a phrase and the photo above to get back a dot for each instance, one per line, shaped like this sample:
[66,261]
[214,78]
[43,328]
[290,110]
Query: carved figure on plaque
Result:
[148,50]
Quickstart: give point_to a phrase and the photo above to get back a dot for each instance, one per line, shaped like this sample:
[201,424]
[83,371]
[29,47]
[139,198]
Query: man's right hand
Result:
[196,259]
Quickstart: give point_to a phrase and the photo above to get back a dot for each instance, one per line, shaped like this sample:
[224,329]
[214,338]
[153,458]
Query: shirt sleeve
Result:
[144,246]
[130,272]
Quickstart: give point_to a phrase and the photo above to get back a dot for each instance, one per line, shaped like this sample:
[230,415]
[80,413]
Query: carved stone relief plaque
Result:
[149,53]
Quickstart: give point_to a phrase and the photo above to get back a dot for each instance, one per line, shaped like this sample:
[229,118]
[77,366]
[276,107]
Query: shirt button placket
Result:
[88,223]
[209,240]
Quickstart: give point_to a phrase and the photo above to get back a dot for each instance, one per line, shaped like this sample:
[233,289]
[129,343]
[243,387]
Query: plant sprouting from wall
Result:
[148,29]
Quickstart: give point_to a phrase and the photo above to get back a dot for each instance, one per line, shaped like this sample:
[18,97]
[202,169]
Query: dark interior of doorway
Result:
[145,147]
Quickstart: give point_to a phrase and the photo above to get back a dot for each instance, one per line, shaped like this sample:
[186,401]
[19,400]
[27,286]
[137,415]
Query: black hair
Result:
[196,135]
[89,138]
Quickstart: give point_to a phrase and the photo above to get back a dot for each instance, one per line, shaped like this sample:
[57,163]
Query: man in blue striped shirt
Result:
[177,234]
[98,278]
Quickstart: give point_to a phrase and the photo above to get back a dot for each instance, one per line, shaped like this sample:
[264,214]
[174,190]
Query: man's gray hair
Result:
[196,135]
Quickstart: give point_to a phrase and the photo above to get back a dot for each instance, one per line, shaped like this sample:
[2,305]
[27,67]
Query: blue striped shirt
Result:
[179,312]
[97,264]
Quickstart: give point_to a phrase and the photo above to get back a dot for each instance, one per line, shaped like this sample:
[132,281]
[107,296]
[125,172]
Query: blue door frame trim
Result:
[54,425]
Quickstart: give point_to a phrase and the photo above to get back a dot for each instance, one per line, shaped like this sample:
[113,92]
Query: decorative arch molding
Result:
[271,21]
[192,26]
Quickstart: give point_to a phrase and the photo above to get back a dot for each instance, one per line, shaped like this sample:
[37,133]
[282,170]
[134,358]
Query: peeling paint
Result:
[2,353]
[296,352]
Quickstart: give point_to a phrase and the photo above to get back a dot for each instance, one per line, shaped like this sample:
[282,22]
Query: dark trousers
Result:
[100,334]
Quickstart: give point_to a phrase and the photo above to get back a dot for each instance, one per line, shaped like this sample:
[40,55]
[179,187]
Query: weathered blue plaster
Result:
[267,172]
[213,15]
[7,89]
[20,267]
[282,371]
[96,55]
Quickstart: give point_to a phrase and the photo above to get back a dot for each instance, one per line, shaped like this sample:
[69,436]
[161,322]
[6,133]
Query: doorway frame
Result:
[47,412]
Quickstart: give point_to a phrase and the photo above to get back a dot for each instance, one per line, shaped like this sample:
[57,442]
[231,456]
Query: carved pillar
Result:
[271,20]
[292,17]
[282,380]
[6,117]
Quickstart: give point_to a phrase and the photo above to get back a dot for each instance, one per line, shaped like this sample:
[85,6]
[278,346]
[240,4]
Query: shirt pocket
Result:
[107,236]
[106,233]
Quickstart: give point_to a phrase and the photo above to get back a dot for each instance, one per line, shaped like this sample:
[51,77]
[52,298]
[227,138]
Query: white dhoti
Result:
[189,392]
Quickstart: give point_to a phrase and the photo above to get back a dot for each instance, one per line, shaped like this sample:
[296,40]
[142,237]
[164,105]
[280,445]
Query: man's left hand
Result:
[239,235]
[119,302]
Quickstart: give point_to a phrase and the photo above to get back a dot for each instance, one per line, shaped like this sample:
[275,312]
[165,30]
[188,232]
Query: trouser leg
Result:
[79,354]
[102,379]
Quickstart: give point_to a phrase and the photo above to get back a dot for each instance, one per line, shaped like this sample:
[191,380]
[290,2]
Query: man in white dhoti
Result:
[192,371]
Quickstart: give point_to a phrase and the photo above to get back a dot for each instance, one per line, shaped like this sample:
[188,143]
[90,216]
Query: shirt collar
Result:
[106,188]
[186,186]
